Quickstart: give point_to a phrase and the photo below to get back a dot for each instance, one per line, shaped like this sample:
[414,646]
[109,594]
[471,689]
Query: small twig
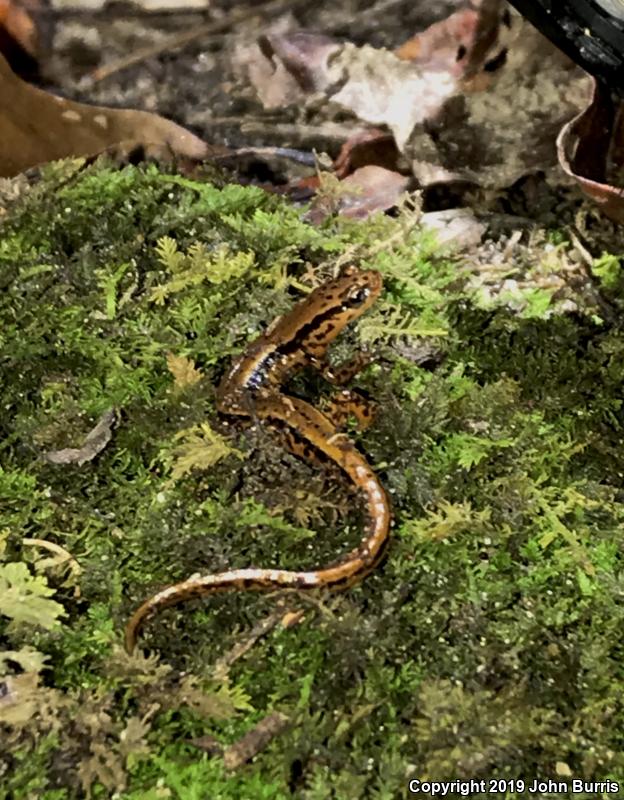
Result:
[335,132]
[190,35]
[259,630]
[287,153]
[385,8]
[122,12]
[249,745]
[255,740]
[63,555]
[608,311]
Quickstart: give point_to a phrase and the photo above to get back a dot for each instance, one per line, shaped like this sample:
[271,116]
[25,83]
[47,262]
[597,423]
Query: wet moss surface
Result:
[488,644]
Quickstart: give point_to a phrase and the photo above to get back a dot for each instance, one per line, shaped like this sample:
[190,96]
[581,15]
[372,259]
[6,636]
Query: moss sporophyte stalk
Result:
[488,644]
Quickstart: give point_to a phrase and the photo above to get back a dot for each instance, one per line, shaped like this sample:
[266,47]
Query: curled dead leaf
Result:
[591,146]
[209,744]
[94,443]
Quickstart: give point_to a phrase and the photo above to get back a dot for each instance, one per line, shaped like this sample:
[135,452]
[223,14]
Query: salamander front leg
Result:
[342,373]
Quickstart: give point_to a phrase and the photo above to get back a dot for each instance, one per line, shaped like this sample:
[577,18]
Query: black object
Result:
[591,32]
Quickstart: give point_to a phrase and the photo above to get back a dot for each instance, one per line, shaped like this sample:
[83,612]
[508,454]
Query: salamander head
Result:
[311,326]
[355,291]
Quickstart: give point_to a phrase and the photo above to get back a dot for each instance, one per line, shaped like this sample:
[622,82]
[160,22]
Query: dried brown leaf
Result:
[447,44]
[489,131]
[20,35]
[373,146]
[37,127]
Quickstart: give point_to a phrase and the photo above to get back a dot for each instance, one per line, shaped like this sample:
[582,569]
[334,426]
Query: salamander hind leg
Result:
[348,404]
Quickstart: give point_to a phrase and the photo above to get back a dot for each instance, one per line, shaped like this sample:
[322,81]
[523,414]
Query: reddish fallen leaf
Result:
[365,191]
[444,44]
[20,35]
[37,127]
[591,148]
[365,148]
[302,189]
[462,43]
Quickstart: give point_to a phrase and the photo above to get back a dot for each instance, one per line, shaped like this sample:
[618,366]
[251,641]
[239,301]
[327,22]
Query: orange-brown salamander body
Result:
[251,388]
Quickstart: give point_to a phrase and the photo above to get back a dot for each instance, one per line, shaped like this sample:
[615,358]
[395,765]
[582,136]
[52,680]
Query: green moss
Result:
[488,644]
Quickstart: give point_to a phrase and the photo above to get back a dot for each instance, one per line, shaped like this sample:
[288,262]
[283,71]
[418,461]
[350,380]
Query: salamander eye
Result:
[358,297]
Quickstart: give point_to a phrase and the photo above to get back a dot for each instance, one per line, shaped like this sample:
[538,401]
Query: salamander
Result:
[252,389]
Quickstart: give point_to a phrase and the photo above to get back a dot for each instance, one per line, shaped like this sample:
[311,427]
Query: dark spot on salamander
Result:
[343,583]
[320,322]
[254,583]
[297,442]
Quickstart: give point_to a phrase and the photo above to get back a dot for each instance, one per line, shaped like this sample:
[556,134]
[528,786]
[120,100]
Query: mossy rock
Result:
[487,644]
